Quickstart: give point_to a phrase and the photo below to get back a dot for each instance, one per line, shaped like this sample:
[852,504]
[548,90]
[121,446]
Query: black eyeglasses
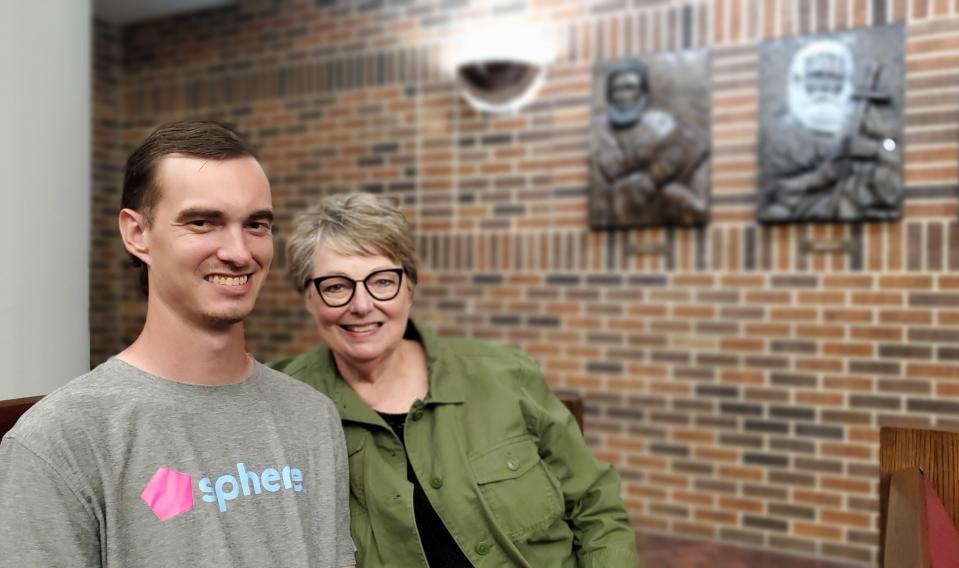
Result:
[337,291]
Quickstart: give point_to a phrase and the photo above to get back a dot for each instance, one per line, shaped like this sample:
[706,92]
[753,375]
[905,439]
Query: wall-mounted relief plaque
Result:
[649,141]
[830,144]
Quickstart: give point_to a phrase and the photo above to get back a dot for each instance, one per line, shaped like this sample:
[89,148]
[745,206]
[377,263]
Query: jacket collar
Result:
[445,387]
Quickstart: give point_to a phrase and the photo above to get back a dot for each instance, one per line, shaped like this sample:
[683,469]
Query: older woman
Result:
[459,453]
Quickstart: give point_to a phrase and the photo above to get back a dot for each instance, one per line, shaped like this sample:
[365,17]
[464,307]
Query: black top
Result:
[438,545]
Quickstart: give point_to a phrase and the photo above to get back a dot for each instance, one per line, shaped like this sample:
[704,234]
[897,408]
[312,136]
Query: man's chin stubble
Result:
[222,322]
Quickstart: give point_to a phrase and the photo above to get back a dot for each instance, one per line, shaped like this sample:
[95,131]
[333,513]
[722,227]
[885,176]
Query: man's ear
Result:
[133,230]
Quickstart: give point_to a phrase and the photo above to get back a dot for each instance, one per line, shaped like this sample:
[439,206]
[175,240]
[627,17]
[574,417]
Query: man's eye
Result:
[260,227]
[199,223]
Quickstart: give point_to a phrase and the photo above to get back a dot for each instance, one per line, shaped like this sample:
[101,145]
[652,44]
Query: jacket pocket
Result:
[517,488]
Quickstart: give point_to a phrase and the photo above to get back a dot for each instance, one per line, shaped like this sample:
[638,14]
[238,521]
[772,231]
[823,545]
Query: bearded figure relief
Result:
[649,143]
[831,128]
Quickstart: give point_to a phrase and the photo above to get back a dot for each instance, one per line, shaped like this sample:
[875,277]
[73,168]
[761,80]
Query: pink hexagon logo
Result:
[169,493]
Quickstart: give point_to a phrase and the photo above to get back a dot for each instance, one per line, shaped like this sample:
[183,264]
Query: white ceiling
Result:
[126,11]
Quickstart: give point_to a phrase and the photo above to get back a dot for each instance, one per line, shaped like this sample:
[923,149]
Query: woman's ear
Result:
[133,230]
[308,301]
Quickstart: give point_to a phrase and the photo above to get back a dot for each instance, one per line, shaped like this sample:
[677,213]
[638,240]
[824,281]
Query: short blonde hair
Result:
[354,224]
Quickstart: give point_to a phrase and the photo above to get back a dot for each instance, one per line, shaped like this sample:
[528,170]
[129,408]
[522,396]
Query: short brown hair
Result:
[350,223]
[200,139]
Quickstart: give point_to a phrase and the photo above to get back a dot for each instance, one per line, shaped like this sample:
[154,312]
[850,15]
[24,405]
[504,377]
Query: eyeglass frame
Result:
[319,279]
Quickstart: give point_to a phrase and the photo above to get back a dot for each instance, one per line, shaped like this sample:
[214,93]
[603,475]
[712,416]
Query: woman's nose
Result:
[361,302]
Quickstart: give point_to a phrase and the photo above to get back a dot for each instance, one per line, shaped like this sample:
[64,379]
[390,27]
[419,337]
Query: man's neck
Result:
[189,353]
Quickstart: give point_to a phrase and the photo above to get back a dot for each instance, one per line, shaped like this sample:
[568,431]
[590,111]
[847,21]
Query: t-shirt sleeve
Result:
[345,551]
[42,521]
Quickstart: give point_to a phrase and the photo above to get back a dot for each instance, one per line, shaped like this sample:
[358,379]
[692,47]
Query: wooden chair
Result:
[12,410]
[918,496]
[575,405]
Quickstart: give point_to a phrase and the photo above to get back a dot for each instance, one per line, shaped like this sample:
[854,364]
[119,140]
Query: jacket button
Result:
[512,465]
[482,548]
[436,483]
[417,414]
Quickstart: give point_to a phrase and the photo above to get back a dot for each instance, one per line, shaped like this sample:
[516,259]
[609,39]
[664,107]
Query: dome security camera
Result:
[499,65]
[499,85]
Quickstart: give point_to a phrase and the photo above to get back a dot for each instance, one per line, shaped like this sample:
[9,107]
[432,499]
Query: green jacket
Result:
[500,458]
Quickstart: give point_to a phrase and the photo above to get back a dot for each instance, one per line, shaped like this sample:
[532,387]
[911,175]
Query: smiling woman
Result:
[499,471]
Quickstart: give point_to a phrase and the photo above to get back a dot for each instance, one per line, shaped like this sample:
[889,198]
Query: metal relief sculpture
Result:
[649,142]
[831,125]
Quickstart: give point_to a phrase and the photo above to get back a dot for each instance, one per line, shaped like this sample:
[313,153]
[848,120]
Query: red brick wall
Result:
[737,383]
[107,276]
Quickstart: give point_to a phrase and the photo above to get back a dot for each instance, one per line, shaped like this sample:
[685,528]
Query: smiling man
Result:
[183,450]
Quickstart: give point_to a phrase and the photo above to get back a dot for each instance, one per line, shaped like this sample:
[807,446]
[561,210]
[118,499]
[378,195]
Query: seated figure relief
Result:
[833,153]
[649,168]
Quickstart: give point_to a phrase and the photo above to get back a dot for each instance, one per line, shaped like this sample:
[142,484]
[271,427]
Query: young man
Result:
[182,450]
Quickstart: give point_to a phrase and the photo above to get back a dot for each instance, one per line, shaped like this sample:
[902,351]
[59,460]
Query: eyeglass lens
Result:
[338,290]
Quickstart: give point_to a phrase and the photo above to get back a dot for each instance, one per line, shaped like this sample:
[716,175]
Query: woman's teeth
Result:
[361,328]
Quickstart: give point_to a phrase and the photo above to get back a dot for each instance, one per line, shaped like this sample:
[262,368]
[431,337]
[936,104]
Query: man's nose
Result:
[234,250]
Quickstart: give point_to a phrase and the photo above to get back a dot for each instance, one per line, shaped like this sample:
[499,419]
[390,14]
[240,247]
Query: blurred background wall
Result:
[737,383]
[45,177]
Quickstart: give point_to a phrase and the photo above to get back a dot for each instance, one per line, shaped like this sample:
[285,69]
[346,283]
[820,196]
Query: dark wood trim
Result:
[575,406]
[934,452]
[11,411]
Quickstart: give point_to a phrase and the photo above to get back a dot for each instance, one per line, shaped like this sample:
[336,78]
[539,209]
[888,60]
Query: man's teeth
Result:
[362,328]
[228,280]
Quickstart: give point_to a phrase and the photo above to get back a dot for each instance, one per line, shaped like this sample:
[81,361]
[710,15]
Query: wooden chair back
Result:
[575,405]
[934,452]
[12,410]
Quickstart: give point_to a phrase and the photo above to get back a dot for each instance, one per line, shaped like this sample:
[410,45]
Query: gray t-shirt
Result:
[120,468]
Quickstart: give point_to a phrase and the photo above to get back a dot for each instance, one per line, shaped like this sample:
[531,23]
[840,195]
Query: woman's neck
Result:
[390,384]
